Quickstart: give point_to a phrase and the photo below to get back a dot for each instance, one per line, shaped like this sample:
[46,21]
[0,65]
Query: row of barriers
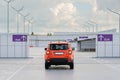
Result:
[108,45]
[17,45]
[14,45]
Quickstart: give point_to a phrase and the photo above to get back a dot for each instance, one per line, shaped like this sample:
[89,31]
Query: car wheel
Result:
[72,65]
[47,65]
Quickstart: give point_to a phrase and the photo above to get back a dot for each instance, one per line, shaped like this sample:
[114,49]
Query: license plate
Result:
[59,53]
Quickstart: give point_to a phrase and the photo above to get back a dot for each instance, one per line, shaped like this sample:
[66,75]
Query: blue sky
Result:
[61,15]
[84,8]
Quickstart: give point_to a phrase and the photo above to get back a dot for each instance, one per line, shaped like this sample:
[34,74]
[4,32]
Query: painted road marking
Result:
[18,70]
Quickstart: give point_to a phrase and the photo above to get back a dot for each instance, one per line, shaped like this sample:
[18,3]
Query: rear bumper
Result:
[59,61]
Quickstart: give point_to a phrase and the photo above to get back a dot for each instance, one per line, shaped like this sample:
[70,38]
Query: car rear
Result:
[59,54]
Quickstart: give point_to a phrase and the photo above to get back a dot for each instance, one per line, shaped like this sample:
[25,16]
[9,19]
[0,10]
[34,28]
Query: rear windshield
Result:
[58,46]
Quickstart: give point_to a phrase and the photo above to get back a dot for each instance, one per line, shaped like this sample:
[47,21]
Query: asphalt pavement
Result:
[87,67]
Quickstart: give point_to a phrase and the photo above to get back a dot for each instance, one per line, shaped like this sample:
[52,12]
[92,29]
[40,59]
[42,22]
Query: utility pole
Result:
[117,14]
[18,12]
[8,2]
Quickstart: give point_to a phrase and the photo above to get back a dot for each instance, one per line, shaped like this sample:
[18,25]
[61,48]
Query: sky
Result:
[50,16]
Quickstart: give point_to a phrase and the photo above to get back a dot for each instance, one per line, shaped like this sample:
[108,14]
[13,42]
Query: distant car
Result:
[59,53]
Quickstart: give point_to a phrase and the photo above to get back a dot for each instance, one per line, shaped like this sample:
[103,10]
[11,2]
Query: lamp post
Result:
[117,14]
[95,24]
[18,12]
[8,2]
[30,24]
[91,25]
[87,27]
[25,20]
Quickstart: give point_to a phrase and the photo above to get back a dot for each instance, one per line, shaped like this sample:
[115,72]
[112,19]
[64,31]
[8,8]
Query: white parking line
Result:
[11,76]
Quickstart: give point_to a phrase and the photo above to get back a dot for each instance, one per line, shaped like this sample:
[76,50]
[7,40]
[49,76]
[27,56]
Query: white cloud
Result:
[104,18]
[65,16]
[62,15]
[64,10]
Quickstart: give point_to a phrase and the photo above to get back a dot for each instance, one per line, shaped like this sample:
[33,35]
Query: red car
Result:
[59,53]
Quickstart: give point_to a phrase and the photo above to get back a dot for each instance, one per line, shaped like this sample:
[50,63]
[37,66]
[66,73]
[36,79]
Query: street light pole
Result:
[95,24]
[8,2]
[18,12]
[119,23]
[30,24]
[25,20]
[117,14]
[87,27]
[91,24]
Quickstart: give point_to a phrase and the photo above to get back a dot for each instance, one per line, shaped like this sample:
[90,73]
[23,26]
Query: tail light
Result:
[70,52]
[47,52]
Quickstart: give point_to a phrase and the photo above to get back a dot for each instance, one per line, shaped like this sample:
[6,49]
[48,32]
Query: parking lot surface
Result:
[87,67]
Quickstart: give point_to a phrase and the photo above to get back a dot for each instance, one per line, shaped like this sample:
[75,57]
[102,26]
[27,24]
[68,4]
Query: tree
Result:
[49,34]
[32,33]
[76,39]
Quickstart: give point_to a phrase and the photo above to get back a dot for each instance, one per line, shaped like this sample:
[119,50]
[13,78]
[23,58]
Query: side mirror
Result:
[73,48]
[45,49]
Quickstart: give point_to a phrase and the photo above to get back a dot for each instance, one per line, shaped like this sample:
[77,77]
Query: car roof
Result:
[59,42]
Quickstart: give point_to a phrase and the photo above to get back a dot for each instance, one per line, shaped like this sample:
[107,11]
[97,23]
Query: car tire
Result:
[47,65]
[72,65]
